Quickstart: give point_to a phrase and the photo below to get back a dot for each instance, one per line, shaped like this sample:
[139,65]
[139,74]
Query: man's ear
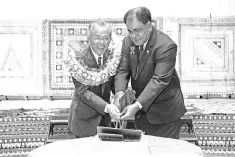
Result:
[149,26]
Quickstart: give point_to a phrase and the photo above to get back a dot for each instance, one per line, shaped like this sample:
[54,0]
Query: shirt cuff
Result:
[140,106]
[106,108]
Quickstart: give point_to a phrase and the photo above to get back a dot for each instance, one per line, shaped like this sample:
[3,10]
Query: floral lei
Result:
[93,76]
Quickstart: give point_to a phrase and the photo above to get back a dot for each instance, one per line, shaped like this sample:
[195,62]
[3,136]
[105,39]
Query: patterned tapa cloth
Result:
[214,125]
[216,134]
[18,136]
[213,121]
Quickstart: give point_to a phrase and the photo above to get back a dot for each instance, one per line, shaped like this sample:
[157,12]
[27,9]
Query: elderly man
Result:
[92,72]
[148,59]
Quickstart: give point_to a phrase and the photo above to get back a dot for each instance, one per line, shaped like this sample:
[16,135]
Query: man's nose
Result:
[101,41]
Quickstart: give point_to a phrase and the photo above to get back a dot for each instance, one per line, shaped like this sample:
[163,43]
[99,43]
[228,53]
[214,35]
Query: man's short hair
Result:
[99,22]
[143,14]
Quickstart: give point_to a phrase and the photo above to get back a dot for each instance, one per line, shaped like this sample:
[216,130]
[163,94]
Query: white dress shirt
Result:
[97,56]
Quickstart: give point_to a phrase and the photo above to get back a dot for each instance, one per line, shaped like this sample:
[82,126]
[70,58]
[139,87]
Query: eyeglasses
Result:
[99,39]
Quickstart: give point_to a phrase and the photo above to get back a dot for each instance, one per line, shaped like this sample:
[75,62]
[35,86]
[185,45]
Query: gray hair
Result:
[99,22]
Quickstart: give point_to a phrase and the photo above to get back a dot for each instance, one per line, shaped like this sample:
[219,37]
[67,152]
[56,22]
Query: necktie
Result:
[139,54]
[99,61]
[141,49]
[99,64]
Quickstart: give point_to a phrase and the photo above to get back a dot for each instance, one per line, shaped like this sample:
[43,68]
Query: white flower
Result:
[94,77]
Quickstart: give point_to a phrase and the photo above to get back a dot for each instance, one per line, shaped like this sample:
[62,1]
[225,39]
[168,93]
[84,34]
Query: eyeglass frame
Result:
[104,39]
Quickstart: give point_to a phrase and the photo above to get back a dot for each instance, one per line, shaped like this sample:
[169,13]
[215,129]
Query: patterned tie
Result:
[139,54]
[99,61]
[141,50]
[99,64]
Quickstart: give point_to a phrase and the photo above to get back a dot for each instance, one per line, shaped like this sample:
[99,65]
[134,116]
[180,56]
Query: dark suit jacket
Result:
[156,82]
[88,104]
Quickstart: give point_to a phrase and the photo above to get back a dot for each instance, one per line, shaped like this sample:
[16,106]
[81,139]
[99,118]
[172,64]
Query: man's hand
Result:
[113,112]
[129,111]
[117,98]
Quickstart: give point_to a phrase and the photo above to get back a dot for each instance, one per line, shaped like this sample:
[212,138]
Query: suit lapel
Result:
[90,58]
[105,56]
[91,62]
[147,52]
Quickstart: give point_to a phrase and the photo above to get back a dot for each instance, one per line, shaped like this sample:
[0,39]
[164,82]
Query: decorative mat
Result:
[205,59]
[210,106]
[213,120]
[214,124]
[46,112]
[194,107]
[216,134]
[20,135]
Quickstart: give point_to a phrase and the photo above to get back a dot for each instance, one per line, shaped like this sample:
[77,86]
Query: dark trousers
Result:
[171,129]
[105,121]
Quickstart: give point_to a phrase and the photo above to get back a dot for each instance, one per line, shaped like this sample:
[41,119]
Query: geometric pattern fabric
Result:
[18,136]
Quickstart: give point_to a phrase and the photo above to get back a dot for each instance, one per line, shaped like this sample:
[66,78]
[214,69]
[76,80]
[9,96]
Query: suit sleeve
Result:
[123,72]
[112,85]
[164,66]
[88,97]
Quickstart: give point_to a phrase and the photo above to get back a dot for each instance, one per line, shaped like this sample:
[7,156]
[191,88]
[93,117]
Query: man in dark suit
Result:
[148,59]
[93,81]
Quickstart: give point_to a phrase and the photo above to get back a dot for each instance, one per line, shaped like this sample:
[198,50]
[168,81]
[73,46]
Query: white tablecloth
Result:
[94,147]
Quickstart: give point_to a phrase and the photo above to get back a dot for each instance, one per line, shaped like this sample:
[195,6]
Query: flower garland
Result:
[93,76]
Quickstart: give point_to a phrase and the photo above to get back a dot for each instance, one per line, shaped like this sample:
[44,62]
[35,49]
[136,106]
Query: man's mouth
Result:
[100,49]
[137,40]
